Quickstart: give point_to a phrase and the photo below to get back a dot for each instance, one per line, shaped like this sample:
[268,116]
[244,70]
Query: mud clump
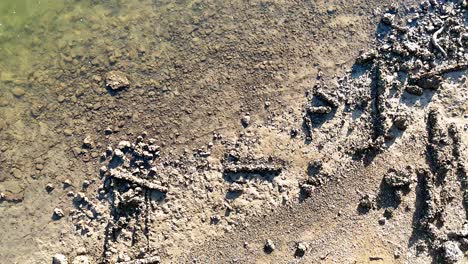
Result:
[398,179]
[366,203]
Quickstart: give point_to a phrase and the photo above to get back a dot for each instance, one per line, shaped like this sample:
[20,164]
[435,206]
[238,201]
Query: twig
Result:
[436,43]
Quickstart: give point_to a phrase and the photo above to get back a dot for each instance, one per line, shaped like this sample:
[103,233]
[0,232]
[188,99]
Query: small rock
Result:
[388,19]
[59,259]
[58,213]
[81,251]
[215,219]
[61,98]
[116,80]
[382,221]
[269,246]
[108,131]
[301,249]
[388,213]
[88,143]
[431,83]
[66,183]
[39,167]
[398,178]
[86,184]
[49,187]
[18,92]
[245,120]
[103,169]
[293,132]
[118,153]
[124,144]
[67,132]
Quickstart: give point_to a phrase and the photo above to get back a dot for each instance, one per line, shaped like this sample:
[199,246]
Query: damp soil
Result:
[206,131]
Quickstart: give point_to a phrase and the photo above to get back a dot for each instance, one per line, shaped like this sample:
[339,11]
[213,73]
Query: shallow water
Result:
[34,33]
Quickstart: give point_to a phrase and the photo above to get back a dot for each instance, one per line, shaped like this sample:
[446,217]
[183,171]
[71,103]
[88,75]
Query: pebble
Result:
[49,187]
[61,98]
[66,183]
[269,246]
[86,184]
[301,249]
[81,251]
[58,213]
[388,19]
[116,80]
[18,92]
[245,120]
[59,259]
[87,142]
[124,144]
[67,132]
[382,221]
[118,153]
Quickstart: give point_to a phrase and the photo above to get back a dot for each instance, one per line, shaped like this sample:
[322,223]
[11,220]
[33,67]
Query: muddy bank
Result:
[204,127]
